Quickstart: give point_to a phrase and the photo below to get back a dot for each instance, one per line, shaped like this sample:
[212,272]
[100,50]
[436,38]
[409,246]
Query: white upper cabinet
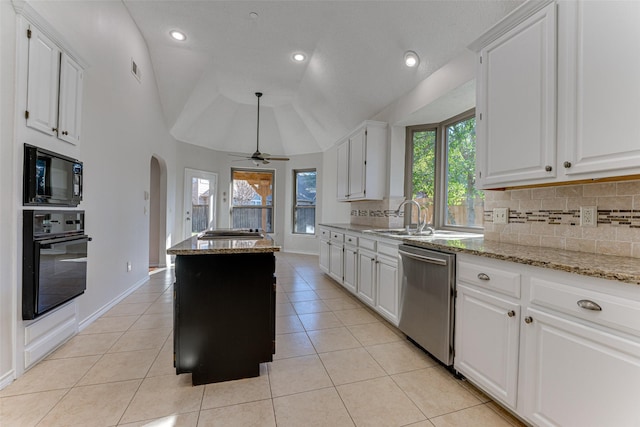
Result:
[516,98]
[42,86]
[54,89]
[70,105]
[361,163]
[527,132]
[599,88]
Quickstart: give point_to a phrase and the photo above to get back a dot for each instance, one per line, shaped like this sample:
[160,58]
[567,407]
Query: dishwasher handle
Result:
[423,258]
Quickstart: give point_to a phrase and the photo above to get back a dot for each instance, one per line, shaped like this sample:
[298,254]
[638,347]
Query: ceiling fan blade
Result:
[277,158]
[244,156]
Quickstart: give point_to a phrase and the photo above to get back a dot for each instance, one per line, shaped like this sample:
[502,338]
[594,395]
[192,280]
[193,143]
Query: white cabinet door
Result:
[357,166]
[42,83]
[516,103]
[367,277]
[487,342]
[336,261]
[325,249]
[70,103]
[350,268]
[343,171]
[577,375]
[599,90]
[387,288]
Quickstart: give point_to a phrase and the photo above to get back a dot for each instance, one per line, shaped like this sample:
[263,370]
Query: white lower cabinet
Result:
[563,352]
[367,277]
[325,248]
[578,375]
[487,342]
[350,268]
[336,261]
[388,291]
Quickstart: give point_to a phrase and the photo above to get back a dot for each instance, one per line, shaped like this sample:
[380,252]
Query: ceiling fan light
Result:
[178,35]
[411,59]
[299,57]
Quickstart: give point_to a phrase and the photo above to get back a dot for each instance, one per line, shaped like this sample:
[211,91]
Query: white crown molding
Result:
[25,10]
[510,21]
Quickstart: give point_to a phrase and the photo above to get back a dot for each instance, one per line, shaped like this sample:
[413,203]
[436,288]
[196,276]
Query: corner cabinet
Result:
[361,158]
[556,348]
[516,98]
[54,89]
[550,107]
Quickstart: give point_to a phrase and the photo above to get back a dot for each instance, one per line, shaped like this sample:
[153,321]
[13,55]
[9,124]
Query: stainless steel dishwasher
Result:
[426,300]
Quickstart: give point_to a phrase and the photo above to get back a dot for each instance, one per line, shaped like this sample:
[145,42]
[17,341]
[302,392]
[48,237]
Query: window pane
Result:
[424,172]
[304,212]
[252,201]
[465,204]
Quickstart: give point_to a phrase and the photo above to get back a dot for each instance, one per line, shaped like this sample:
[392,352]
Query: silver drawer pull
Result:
[511,313]
[589,305]
[483,276]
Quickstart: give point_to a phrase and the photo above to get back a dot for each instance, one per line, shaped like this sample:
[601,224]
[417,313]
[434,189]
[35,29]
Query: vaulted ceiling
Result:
[354,66]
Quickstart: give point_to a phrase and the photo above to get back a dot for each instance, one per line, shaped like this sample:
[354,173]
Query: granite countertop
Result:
[194,246]
[623,269]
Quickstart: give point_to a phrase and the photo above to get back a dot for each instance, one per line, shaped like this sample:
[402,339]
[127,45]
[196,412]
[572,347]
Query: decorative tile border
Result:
[618,218]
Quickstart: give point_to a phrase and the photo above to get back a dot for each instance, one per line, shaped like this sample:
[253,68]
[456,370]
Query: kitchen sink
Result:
[232,234]
[425,235]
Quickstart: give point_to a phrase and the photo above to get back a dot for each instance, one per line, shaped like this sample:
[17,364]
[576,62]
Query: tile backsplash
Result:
[550,217]
[377,213]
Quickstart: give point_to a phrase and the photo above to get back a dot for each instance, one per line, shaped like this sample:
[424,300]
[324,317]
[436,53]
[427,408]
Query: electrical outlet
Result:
[500,215]
[588,216]
[128,266]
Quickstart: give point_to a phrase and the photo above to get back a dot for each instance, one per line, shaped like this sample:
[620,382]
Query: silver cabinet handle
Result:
[528,320]
[483,276]
[511,313]
[589,305]
[548,168]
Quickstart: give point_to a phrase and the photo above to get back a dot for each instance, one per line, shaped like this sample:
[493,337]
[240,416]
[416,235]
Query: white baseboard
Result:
[7,378]
[89,320]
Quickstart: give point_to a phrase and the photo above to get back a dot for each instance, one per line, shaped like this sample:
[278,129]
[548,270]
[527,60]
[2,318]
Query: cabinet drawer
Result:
[337,237]
[389,250]
[495,279]
[350,239]
[367,244]
[615,312]
[324,233]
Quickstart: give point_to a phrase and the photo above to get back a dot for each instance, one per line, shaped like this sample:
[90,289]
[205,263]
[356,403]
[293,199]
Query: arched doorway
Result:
[157,212]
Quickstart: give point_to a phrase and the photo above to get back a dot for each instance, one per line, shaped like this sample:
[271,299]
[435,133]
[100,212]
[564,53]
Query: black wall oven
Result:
[54,261]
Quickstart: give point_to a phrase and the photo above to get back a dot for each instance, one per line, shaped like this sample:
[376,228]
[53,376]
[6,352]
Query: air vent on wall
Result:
[135,70]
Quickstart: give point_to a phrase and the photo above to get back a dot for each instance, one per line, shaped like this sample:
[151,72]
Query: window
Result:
[252,199]
[442,173]
[304,201]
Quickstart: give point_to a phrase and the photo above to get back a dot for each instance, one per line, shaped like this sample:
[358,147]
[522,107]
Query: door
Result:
[325,248]
[42,83]
[487,341]
[598,115]
[357,166]
[516,126]
[577,375]
[336,261]
[367,276]
[388,292]
[343,171]
[200,191]
[70,104]
[350,268]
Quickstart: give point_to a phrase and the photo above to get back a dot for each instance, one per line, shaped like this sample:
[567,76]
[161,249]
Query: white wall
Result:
[8,213]
[122,127]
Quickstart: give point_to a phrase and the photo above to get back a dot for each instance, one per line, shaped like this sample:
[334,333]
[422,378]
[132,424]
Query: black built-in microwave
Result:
[51,179]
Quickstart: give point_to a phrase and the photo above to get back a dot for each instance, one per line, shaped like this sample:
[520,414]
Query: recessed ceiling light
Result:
[178,35]
[411,59]
[253,15]
[299,57]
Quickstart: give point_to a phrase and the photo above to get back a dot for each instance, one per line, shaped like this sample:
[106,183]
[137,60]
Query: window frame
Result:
[440,183]
[294,205]
[273,196]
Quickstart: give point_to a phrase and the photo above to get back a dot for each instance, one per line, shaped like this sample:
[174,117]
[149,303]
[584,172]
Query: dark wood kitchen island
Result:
[224,307]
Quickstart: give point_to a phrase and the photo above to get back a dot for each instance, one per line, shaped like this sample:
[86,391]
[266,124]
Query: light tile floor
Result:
[337,364]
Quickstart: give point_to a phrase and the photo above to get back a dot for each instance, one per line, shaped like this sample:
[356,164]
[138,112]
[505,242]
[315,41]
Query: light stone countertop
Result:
[622,269]
[194,246]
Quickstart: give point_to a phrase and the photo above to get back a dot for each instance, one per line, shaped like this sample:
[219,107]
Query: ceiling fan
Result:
[260,158]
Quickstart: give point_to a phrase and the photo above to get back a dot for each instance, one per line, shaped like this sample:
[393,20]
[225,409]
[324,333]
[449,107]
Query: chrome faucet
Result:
[422,220]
